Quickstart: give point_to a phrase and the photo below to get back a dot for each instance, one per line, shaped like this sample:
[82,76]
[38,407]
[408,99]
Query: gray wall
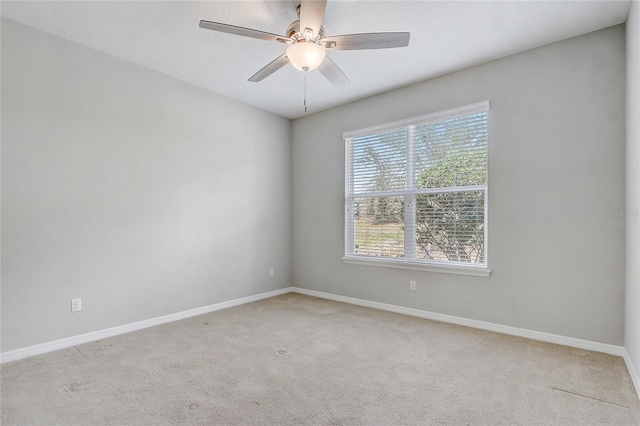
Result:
[632,310]
[556,165]
[136,192]
[118,187]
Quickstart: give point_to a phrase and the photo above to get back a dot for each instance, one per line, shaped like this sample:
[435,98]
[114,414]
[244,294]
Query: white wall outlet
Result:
[271,272]
[412,285]
[76,305]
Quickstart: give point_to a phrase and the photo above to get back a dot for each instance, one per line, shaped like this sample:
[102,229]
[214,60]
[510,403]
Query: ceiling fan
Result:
[308,45]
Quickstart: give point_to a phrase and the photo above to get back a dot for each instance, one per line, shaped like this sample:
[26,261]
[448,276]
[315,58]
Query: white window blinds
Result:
[416,190]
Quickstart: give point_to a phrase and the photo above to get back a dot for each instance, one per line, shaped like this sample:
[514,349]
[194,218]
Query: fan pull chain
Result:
[305,92]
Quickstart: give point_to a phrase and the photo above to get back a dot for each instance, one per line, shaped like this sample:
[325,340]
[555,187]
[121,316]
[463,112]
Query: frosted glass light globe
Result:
[305,56]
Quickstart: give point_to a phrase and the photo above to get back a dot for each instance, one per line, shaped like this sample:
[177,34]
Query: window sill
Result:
[478,271]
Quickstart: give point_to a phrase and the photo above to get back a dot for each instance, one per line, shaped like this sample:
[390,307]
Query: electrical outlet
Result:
[271,272]
[76,305]
[412,285]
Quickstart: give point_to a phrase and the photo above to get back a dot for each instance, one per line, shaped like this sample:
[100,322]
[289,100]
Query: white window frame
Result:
[409,194]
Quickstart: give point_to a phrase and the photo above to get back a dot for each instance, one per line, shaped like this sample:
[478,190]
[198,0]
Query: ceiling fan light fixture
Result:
[306,56]
[307,44]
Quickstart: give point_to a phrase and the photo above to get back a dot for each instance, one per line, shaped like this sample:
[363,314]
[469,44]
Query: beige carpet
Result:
[299,360]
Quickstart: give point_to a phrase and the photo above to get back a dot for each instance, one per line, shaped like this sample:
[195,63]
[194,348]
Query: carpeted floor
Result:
[299,360]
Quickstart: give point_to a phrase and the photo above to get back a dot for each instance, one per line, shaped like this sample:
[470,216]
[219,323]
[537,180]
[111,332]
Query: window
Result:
[416,192]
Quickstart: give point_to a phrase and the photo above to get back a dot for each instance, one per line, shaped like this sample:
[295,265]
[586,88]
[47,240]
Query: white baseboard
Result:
[632,372]
[114,331]
[505,329]
[127,328]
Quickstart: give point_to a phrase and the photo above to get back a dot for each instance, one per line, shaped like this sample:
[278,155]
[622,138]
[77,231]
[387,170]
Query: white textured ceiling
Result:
[445,36]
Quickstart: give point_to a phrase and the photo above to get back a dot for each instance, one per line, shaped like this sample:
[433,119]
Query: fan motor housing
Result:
[294,28]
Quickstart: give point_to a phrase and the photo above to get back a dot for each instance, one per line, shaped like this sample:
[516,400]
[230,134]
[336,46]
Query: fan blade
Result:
[367,41]
[311,15]
[272,67]
[242,31]
[333,73]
